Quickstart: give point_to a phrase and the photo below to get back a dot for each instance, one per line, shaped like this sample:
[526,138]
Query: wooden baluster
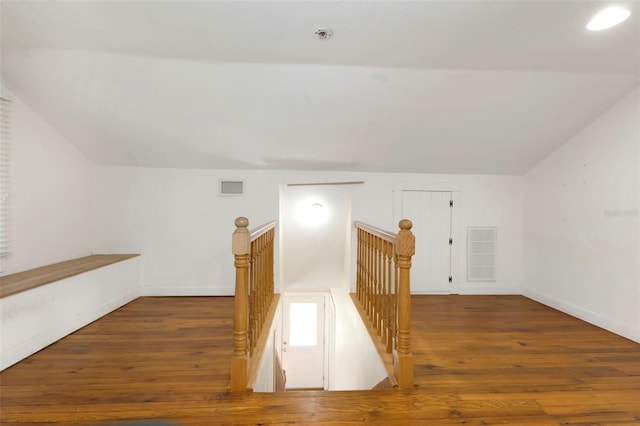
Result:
[240,246]
[379,280]
[374,272]
[255,293]
[267,281]
[272,249]
[374,241]
[256,288]
[372,278]
[383,291]
[396,280]
[259,260]
[358,264]
[385,294]
[365,236]
[365,272]
[363,266]
[363,260]
[258,277]
[250,303]
[390,300]
[368,272]
[263,281]
[265,296]
[378,286]
[403,361]
[367,266]
[272,280]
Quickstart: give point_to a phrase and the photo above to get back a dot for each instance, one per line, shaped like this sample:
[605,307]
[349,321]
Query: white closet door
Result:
[430,213]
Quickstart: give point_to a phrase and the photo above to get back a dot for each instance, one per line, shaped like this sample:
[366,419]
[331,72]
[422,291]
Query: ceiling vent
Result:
[231,187]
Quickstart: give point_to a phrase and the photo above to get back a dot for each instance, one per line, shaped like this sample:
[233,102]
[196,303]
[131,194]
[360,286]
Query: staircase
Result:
[382,299]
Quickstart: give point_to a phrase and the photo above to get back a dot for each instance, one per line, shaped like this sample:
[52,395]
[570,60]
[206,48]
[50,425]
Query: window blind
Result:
[5,177]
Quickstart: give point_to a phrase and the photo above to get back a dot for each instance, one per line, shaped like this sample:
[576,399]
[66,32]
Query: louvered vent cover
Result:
[231,187]
[481,253]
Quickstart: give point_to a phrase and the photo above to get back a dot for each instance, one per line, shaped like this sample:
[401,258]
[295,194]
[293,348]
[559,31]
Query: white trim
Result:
[489,289]
[436,186]
[330,367]
[584,314]
[22,350]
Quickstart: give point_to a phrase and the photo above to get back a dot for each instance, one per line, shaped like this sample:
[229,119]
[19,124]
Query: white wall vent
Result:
[231,187]
[481,253]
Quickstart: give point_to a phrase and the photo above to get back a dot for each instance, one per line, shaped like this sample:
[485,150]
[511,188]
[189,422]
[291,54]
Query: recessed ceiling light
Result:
[608,18]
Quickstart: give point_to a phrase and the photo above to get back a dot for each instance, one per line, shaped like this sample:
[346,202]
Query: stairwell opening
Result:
[334,350]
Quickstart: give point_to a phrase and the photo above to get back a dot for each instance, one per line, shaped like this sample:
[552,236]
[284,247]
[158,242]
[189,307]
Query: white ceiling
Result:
[484,86]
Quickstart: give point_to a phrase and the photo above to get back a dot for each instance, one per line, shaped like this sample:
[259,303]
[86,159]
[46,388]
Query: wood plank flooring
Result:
[480,360]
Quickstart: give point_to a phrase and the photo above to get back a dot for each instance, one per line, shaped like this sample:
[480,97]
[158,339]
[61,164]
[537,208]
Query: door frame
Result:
[457,230]
[329,332]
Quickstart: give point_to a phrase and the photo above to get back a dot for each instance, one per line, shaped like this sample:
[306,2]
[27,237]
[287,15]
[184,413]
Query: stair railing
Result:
[384,290]
[254,296]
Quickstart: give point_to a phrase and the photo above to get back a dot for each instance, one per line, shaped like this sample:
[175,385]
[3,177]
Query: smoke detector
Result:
[324,33]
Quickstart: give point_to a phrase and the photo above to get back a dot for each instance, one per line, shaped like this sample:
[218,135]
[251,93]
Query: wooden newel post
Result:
[240,247]
[403,360]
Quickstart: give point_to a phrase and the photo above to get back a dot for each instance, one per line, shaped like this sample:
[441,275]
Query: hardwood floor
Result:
[480,360]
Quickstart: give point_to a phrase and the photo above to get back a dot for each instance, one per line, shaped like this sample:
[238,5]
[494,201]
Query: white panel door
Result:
[430,212]
[303,352]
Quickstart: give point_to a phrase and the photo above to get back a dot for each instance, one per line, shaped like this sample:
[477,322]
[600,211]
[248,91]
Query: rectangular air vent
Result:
[229,187]
[481,253]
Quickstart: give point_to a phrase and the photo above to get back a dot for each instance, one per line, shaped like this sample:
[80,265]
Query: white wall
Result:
[357,363]
[314,243]
[180,224]
[52,195]
[53,199]
[176,219]
[582,224]
[478,201]
[265,378]
[33,319]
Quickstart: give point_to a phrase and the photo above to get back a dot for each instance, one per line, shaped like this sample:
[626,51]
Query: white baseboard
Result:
[186,291]
[14,354]
[489,290]
[585,315]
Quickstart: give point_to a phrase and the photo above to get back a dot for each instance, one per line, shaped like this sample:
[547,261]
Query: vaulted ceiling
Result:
[483,86]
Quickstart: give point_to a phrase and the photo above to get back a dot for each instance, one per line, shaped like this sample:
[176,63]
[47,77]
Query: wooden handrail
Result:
[384,290]
[260,230]
[254,294]
[381,233]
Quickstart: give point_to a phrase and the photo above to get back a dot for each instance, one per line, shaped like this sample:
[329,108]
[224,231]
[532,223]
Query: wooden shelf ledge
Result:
[26,280]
